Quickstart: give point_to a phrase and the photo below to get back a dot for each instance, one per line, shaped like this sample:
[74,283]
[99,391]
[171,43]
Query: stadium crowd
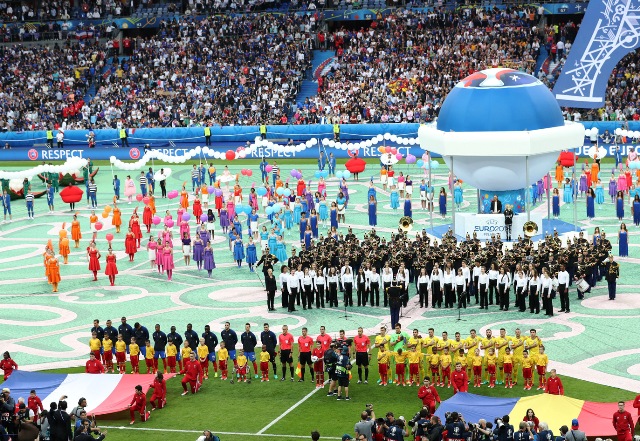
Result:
[247,69]
[402,67]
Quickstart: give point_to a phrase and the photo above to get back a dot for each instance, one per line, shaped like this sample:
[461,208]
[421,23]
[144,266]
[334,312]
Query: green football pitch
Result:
[594,347]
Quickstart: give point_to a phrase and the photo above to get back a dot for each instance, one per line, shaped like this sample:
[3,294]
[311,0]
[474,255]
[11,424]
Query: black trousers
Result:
[563,290]
[547,302]
[307,296]
[503,296]
[423,292]
[320,296]
[348,294]
[285,296]
[484,301]
[449,295]
[293,295]
[271,295]
[362,294]
[386,285]
[534,300]
[462,298]
[493,285]
[520,299]
[333,294]
[475,287]
[374,294]
[436,294]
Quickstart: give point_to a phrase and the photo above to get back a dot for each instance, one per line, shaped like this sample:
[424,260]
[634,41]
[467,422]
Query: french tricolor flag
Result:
[105,393]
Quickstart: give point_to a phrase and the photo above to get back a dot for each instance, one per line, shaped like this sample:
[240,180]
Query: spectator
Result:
[575,434]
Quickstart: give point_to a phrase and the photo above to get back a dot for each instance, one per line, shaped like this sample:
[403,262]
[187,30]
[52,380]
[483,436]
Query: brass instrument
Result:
[530,228]
[406,223]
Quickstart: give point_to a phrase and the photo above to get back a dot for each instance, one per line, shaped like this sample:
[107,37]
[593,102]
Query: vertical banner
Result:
[609,31]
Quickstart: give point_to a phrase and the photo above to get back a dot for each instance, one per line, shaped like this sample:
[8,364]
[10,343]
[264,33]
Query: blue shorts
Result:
[143,351]
[212,357]
[178,356]
[232,354]
[160,354]
[102,351]
[251,356]
[7,210]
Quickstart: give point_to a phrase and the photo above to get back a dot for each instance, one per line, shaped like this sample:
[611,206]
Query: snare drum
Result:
[582,285]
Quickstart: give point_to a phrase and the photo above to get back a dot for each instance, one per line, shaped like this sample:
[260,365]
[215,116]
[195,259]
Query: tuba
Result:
[406,223]
[530,228]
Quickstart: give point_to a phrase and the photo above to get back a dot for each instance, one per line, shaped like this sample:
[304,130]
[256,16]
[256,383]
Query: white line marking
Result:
[148,429]
[289,410]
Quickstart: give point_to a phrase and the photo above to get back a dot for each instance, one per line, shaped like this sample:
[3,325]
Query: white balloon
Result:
[198,149]
[387,136]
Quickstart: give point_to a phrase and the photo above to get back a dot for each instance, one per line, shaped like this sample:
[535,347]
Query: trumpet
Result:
[406,223]
[530,229]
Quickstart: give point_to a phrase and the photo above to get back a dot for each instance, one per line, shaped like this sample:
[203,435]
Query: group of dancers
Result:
[269,214]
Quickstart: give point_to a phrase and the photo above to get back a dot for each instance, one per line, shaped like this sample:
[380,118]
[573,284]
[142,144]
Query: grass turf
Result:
[246,409]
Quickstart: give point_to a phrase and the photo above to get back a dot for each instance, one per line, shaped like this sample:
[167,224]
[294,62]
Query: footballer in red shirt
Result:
[285,340]
[362,343]
[305,346]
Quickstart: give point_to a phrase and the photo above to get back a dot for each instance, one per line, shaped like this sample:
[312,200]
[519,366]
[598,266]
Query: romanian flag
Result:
[105,393]
[555,410]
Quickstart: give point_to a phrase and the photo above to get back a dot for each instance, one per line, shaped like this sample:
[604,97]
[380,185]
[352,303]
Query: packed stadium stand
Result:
[71,64]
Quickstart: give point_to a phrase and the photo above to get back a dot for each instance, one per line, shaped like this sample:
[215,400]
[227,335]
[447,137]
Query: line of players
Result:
[495,357]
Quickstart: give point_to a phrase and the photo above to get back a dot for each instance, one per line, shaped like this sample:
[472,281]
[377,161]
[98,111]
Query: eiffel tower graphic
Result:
[583,80]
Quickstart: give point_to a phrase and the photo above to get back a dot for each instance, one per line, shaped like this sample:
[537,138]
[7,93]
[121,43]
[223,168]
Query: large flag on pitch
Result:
[105,393]
[556,410]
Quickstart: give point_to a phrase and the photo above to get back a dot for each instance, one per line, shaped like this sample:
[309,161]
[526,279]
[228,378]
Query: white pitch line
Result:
[289,410]
[147,429]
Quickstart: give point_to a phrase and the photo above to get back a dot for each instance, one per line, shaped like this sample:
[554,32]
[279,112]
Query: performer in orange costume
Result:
[76,235]
[116,220]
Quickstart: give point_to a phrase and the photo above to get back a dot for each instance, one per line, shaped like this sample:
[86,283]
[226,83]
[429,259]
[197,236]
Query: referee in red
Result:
[362,343]
[286,344]
[305,345]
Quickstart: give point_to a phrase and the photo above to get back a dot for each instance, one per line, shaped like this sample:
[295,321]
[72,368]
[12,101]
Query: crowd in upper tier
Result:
[248,70]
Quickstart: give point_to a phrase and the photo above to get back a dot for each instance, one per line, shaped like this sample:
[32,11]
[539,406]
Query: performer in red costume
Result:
[429,395]
[7,365]
[159,392]
[192,374]
[93,365]
[139,404]
[459,379]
